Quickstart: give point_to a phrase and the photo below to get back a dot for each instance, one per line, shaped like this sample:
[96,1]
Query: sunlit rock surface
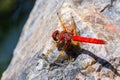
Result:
[93,18]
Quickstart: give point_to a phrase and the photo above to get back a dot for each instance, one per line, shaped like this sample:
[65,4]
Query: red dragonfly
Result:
[67,37]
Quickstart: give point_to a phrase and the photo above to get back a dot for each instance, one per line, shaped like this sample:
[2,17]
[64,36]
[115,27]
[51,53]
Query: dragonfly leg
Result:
[60,54]
[50,50]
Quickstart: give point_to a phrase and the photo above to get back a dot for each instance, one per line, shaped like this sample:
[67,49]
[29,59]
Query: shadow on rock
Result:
[74,51]
[103,62]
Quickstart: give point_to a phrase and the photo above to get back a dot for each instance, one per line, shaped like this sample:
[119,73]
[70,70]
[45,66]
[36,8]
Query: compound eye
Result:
[55,35]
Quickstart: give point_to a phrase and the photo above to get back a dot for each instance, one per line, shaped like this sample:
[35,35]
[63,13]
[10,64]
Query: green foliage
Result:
[6,5]
[13,15]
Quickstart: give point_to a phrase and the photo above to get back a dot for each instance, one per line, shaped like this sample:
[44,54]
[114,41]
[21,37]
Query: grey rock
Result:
[93,18]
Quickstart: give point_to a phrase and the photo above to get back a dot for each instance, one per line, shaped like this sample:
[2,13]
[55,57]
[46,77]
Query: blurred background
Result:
[13,15]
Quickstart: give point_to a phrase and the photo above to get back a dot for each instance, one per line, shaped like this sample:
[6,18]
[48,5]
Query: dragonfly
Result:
[68,37]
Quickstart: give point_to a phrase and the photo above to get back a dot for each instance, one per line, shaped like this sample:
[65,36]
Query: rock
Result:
[93,18]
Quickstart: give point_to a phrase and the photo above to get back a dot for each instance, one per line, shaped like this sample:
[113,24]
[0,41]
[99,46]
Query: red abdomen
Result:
[88,40]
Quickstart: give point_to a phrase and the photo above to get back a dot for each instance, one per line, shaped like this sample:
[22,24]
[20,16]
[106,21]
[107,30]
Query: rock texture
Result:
[93,18]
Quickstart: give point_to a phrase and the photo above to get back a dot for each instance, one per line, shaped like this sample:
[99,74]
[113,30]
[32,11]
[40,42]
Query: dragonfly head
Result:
[55,35]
